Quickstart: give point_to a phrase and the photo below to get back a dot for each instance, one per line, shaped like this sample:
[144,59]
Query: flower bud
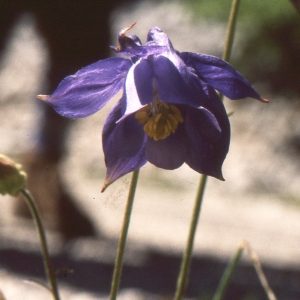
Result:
[12,177]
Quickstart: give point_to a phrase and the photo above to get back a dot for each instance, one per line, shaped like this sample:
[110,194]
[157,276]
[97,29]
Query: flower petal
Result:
[168,153]
[156,36]
[143,81]
[209,134]
[220,75]
[87,91]
[172,83]
[131,46]
[202,124]
[133,50]
[123,145]
[127,137]
[138,88]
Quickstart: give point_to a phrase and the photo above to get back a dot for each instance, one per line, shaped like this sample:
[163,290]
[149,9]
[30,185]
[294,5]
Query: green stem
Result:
[123,236]
[187,257]
[231,30]
[228,273]
[46,257]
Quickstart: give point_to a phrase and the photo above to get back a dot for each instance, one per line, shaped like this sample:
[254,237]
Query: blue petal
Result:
[220,75]
[123,145]
[87,91]
[140,51]
[131,46]
[168,153]
[174,85]
[202,124]
[143,81]
[204,161]
[127,138]
[138,88]
[209,134]
[157,37]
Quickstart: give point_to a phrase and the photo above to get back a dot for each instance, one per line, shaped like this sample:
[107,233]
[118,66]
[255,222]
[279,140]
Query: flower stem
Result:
[231,30]
[123,236]
[187,257]
[228,272]
[46,257]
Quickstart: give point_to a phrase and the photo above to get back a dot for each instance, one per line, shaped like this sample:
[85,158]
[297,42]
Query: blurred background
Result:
[259,201]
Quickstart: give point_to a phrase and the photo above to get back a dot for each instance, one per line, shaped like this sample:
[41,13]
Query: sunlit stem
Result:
[228,272]
[123,237]
[187,256]
[231,30]
[46,257]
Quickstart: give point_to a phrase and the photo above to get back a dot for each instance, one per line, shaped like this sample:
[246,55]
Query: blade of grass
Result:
[232,265]
[258,268]
[228,272]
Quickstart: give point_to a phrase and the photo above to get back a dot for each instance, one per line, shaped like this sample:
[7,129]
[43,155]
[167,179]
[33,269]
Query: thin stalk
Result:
[46,257]
[231,30]
[187,256]
[258,268]
[123,237]
[228,272]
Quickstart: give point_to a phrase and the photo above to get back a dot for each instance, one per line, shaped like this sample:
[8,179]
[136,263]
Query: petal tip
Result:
[264,100]
[106,183]
[219,176]
[42,97]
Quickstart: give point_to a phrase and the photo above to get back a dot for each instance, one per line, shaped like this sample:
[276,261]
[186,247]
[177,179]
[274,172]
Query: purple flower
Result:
[169,113]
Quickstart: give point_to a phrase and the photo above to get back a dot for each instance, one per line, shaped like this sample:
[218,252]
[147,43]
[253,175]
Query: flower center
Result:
[160,119]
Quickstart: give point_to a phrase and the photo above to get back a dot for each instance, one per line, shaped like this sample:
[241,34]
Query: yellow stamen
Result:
[168,124]
[160,119]
[177,113]
[142,117]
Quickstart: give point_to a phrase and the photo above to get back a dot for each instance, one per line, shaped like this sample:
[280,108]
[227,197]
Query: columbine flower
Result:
[169,112]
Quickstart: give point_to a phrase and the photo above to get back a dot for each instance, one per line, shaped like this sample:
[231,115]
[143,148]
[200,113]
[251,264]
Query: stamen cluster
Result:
[160,119]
